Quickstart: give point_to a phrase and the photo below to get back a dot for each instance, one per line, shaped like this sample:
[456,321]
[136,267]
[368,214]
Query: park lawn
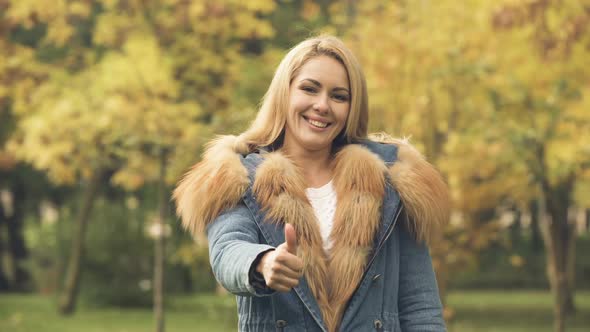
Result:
[512,311]
[475,311]
[34,313]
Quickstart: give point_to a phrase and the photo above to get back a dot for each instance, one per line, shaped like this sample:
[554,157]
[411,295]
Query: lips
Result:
[317,123]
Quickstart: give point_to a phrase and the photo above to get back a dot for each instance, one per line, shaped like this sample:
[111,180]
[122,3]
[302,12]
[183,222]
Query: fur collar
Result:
[219,181]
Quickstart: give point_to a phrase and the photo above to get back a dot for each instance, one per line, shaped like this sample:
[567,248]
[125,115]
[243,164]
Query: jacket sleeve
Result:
[420,308]
[233,248]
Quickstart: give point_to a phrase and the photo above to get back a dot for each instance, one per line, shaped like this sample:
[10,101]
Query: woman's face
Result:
[319,102]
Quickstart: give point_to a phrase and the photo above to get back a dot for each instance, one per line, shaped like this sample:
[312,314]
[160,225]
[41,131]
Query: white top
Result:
[323,200]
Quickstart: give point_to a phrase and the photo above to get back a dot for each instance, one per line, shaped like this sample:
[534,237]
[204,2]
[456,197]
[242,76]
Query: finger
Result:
[294,263]
[282,289]
[284,257]
[282,283]
[285,263]
[291,239]
[287,272]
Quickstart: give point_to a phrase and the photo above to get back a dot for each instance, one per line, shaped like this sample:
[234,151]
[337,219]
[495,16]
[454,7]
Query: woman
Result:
[314,226]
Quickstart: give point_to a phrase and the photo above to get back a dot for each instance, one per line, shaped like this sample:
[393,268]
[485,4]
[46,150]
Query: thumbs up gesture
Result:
[281,268]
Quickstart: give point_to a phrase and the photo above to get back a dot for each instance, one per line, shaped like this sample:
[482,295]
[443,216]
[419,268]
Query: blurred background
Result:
[105,103]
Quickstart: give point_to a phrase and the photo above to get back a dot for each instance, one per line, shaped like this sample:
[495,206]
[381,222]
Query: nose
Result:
[321,104]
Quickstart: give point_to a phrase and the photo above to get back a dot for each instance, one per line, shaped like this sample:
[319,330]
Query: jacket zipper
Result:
[387,235]
[379,247]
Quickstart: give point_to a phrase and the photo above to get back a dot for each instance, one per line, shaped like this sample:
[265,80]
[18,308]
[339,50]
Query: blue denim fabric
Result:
[397,293]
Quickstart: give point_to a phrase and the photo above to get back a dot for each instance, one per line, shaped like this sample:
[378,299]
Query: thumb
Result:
[291,239]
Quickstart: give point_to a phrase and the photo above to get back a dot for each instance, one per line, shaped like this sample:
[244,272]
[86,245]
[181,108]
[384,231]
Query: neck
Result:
[315,165]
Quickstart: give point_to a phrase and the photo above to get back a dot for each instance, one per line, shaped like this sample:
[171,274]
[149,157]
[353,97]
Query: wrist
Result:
[260,264]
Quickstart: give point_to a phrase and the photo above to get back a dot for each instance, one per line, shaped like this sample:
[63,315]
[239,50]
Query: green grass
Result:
[32,313]
[475,311]
[514,311]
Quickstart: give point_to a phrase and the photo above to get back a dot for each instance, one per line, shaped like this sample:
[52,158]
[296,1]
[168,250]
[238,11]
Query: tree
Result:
[544,114]
[125,80]
[19,185]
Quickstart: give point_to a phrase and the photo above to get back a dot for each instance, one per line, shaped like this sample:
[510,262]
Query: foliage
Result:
[124,80]
[119,255]
[195,258]
[115,272]
[517,265]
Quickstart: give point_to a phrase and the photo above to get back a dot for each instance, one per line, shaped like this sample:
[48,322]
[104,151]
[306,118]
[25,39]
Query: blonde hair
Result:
[270,121]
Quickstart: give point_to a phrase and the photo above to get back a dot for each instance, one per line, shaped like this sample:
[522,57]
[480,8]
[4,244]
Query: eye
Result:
[341,97]
[309,89]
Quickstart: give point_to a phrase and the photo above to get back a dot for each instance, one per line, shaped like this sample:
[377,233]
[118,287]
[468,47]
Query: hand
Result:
[281,268]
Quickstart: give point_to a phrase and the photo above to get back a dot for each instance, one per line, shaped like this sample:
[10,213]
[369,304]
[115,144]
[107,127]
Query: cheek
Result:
[342,113]
[293,112]
[297,104]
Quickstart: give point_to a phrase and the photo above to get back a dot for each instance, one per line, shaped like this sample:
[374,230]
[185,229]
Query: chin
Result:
[317,146]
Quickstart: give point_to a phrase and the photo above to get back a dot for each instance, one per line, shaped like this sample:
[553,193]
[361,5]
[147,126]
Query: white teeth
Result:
[317,123]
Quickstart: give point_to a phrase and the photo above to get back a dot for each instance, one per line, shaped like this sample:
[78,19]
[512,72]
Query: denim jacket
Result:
[391,201]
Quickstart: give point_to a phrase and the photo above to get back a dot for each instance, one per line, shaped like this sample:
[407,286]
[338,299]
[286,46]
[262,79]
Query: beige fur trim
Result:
[359,179]
[219,181]
[211,186]
[422,190]
[280,190]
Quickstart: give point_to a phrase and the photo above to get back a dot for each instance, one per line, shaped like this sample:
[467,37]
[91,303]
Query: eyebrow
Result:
[317,83]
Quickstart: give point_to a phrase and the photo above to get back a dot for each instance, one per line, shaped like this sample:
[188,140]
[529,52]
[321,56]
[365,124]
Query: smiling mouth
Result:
[315,123]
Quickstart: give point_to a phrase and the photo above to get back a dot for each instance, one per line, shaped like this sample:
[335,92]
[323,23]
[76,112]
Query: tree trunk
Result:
[60,260]
[536,240]
[558,236]
[16,241]
[4,283]
[159,249]
[13,251]
[570,307]
[516,227]
[552,272]
[67,301]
